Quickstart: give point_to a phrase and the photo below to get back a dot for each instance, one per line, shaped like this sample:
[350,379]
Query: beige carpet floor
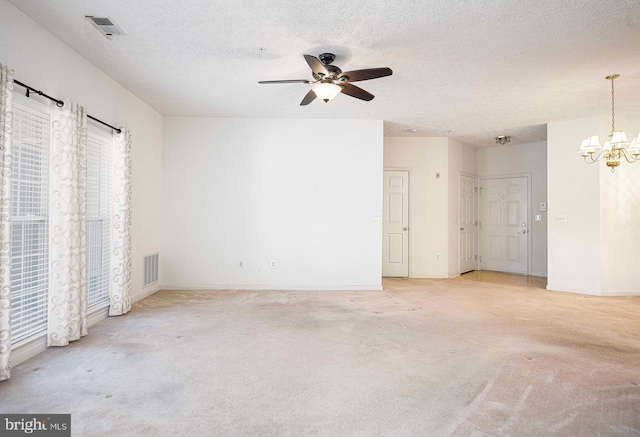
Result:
[480,355]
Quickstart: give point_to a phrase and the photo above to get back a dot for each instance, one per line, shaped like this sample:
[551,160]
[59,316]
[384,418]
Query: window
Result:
[99,149]
[30,220]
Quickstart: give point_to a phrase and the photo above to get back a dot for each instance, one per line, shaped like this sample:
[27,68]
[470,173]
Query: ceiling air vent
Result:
[106,26]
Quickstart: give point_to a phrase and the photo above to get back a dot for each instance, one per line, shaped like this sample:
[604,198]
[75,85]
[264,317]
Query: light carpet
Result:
[421,358]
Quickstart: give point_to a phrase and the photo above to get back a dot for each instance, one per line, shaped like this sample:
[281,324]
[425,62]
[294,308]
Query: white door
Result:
[504,225]
[468,223]
[395,224]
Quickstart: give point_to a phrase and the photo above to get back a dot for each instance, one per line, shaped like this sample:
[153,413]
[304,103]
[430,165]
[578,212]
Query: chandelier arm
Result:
[630,159]
[594,160]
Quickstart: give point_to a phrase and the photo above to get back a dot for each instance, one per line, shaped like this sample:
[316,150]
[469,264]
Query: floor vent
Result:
[151,269]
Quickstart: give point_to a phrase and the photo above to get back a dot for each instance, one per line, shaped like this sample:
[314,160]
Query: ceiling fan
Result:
[330,80]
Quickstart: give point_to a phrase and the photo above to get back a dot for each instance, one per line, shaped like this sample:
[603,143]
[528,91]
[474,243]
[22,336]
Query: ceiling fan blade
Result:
[316,66]
[286,81]
[369,73]
[354,91]
[310,97]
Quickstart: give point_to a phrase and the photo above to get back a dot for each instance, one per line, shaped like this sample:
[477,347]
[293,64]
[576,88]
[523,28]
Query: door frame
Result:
[409,245]
[529,225]
[472,176]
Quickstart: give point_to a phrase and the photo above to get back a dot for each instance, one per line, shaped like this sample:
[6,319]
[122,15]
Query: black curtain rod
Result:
[60,103]
[102,122]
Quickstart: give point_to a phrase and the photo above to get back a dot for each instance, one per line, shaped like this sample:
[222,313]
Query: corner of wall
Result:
[574,195]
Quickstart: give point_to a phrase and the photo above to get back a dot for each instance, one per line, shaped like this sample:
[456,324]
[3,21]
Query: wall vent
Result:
[151,269]
[105,26]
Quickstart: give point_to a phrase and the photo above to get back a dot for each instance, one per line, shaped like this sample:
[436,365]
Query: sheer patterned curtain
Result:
[6,130]
[67,230]
[121,225]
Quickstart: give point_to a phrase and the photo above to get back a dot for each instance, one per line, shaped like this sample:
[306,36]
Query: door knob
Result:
[405,229]
[524,231]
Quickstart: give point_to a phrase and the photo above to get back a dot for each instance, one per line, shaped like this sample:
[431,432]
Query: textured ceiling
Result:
[467,69]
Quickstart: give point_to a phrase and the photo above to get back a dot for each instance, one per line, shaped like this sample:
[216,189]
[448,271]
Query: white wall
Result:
[44,62]
[597,250]
[256,190]
[462,160]
[573,190]
[524,159]
[424,157]
[620,217]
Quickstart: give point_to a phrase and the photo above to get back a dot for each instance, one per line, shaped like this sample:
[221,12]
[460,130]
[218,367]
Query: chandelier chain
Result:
[613,108]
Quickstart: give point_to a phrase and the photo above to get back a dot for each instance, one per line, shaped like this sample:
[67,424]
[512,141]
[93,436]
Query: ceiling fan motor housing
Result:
[327,58]
[333,73]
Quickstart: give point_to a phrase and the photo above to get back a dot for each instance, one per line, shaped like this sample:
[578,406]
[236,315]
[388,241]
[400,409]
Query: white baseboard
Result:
[146,293]
[97,316]
[28,350]
[595,293]
[551,287]
[620,293]
[218,287]
[539,274]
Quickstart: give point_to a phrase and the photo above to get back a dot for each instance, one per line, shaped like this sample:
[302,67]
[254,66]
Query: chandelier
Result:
[618,145]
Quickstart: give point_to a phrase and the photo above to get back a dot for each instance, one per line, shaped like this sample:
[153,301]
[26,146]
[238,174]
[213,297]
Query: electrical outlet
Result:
[376,216]
[437,256]
[274,264]
[562,218]
[538,217]
[240,264]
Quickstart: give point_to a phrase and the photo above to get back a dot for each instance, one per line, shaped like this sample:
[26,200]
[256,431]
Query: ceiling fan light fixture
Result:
[326,90]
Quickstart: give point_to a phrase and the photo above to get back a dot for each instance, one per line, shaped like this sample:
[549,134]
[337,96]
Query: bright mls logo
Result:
[41,425]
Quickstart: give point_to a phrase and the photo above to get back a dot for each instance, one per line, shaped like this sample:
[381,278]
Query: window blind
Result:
[29,222]
[99,150]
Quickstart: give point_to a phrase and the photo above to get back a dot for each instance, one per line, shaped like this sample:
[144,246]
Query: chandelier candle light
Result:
[618,145]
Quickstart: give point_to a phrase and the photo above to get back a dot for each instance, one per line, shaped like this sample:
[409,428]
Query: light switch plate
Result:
[538,217]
